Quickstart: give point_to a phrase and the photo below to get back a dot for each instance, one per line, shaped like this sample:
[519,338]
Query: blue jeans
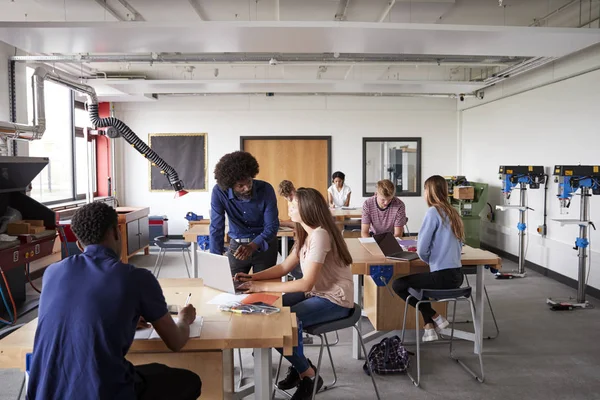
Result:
[310,311]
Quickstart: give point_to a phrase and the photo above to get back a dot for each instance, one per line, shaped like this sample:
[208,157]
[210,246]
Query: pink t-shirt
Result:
[382,221]
[335,283]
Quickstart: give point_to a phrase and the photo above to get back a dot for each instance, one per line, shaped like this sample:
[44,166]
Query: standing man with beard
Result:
[251,208]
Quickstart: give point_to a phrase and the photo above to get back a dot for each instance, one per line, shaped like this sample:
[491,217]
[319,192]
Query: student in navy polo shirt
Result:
[90,307]
[251,207]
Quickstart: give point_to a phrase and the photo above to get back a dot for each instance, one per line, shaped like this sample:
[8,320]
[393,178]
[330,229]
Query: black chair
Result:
[321,330]
[441,296]
[164,244]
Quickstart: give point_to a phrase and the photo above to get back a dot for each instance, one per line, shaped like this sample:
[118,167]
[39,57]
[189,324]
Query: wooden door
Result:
[306,161]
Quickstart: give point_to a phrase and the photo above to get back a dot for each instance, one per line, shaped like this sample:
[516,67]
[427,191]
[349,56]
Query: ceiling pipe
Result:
[357,94]
[165,60]
[198,9]
[386,11]
[342,9]
[536,21]
[109,9]
[136,15]
[36,130]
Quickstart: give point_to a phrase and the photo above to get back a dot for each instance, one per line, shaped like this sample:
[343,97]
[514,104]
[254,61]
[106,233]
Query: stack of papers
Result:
[150,333]
[227,298]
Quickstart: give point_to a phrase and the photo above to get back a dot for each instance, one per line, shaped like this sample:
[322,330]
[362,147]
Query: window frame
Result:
[76,132]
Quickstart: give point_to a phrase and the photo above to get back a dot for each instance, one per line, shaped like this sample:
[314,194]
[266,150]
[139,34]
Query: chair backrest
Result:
[161,239]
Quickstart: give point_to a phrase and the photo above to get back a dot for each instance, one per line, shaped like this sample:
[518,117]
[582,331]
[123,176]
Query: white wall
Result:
[226,118]
[551,125]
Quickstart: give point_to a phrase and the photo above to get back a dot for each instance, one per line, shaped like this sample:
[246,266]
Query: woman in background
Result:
[383,212]
[338,194]
[439,244]
[325,292]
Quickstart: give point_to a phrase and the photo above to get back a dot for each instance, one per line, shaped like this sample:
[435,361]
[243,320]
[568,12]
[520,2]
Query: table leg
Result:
[479,310]
[358,298]
[263,378]
[284,254]
[195,259]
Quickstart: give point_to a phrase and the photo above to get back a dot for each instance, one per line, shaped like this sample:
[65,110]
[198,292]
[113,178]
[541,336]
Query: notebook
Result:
[150,333]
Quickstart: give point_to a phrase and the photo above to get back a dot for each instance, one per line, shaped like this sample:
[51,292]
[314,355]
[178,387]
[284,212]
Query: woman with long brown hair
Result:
[439,244]
[326,290]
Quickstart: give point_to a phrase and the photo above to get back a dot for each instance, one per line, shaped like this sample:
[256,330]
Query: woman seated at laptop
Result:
[439,244]
[383,212]
[326,290]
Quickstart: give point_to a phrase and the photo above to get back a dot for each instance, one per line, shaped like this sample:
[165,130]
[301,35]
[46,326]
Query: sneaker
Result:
[306,387]
[430,335]
[292,379]
[440,323]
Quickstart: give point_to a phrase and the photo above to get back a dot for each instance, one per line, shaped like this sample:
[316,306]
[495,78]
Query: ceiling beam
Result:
[198,8]
[386,11]
[109,9]
[340,14]
[136,15]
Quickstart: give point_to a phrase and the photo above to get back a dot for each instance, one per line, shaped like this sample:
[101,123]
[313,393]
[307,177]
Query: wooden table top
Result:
[193,232]
[366,254]
[341,214]
[220,330]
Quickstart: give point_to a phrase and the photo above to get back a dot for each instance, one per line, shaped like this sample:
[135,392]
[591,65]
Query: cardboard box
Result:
[34,222]
[464,192]
[18,228]
[36,229]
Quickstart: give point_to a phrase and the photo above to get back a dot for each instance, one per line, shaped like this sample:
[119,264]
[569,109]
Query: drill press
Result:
[521,176]
[586,180]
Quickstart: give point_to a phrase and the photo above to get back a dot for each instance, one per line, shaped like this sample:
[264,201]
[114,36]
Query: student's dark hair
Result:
[315,213]
[234,167]
[338,174]
[92,222]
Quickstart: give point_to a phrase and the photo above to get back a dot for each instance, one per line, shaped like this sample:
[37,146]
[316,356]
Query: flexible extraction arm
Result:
[36,130]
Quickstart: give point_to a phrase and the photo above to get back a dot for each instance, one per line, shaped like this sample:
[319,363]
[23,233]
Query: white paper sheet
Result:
[367,240]
[226,298]
[150,333]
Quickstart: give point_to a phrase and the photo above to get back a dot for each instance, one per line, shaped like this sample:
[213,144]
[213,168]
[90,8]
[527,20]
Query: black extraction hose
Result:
[137,144]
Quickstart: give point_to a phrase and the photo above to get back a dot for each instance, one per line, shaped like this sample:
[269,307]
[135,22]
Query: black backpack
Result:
[387,357]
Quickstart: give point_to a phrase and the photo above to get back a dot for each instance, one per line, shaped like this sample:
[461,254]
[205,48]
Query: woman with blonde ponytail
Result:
[439,244]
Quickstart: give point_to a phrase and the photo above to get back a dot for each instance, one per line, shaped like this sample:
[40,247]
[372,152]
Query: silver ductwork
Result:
[36,130]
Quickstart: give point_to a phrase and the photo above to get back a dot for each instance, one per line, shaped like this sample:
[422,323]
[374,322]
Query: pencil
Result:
[187,301]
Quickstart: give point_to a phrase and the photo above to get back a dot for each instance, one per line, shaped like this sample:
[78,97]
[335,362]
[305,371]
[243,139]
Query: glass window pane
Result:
[55,182]
[393,160]
[81,149]
[82,118]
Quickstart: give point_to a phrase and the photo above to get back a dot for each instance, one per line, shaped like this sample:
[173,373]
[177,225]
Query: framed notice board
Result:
[186,153]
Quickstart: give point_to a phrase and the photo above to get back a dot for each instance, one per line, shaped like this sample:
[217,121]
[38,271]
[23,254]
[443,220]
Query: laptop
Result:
[215,272]
[392,249]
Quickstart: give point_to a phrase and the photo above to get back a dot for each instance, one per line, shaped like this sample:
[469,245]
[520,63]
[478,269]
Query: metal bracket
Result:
[382,275]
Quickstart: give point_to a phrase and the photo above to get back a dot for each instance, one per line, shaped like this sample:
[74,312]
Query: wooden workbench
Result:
[210,355]
[134,226]
[384,310]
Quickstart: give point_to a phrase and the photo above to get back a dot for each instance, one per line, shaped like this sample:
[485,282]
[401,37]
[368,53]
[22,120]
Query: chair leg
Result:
[239,385]
[318,367]
[371,373]
[332,384]
[482,377]
[417,382]
[186,264]
[277,377]
[162,260]
[404,319]
[157,261]
[493,315]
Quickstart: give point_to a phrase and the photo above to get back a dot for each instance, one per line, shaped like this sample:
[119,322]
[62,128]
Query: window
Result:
[82,148]
[397,159]
[65,176]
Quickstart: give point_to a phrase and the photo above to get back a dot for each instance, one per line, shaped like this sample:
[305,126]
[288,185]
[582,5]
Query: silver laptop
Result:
[215,272]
